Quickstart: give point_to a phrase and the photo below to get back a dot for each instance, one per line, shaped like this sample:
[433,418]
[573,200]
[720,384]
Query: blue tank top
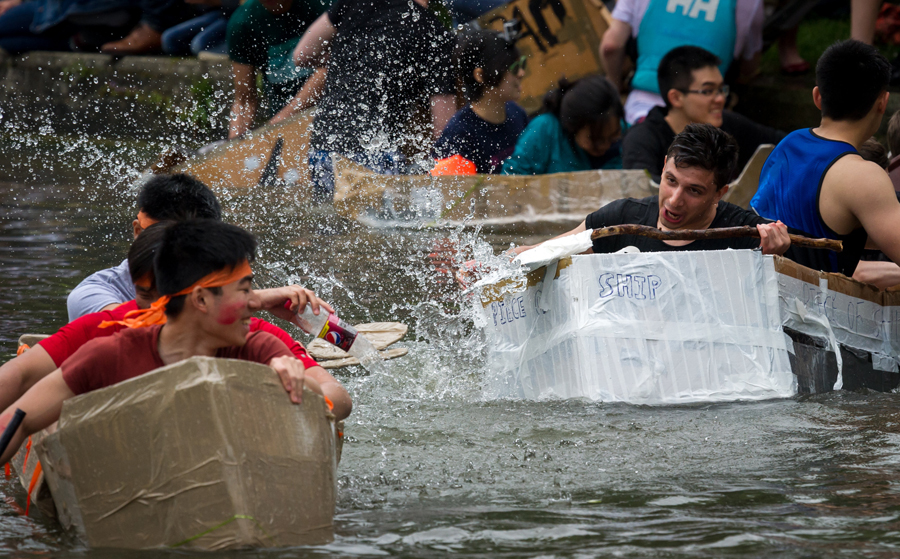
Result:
[789,186]
[667,24]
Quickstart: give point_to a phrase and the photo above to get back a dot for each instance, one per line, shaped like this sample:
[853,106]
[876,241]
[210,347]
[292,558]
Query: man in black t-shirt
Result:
[386,61]
[694,180]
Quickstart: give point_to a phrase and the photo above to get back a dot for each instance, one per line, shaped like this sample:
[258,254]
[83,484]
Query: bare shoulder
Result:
[853,169]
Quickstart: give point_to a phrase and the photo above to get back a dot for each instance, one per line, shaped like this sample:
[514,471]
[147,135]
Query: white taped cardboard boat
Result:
[684,327]
[204,454]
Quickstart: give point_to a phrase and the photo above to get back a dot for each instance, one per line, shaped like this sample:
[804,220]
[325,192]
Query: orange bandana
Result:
[145,220]
[156,314]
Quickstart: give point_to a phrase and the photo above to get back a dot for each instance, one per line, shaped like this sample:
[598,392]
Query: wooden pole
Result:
[720,233]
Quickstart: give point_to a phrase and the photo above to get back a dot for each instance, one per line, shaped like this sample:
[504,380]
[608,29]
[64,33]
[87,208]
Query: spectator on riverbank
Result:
[579,129]
[262,35]
[156,16]
[387,62]
[694,93]
[730,29]
[206,32]
[61,25]
[485,131]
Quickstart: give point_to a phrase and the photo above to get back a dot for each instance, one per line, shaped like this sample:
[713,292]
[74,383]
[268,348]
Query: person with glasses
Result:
[694,93]
[485,131]
[580,128]
[730,29]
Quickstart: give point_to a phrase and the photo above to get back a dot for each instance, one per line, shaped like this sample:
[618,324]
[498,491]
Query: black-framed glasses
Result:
[724,90]
[518,65]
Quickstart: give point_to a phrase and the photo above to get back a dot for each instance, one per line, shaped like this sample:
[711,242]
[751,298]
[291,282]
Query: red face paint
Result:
[230,314]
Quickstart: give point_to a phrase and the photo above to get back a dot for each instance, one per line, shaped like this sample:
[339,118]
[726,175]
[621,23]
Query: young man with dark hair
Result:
[694,92]
[732,29]
[163,197]
[202,269]
[21,373]
[816,181]
[696,170]
[387,61]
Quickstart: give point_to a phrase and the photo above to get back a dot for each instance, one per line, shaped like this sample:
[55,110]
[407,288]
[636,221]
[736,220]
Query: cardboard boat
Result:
[560,37]
[685,327]
[204,454]
[561,198]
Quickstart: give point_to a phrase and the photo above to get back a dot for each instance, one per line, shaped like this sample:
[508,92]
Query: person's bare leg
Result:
[788,54]
[143,39]
[863,14]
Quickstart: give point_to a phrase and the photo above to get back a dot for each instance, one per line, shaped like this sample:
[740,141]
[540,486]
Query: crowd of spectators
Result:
[390,77]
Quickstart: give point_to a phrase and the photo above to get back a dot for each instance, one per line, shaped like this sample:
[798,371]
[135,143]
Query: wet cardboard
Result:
[204,454]
[485,199]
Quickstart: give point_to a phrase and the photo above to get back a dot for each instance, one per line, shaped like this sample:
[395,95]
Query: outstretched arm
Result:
[305,98]
[41,404]
[246,99]
[333,390]
[314,46]
[19,374]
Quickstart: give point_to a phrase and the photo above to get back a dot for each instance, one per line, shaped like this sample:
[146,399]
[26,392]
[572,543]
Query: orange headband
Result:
[156,314]
[145,220]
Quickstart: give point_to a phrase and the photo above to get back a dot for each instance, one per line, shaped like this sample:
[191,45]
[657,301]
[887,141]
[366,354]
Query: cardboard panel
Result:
[484,199]
[205,454]
[561,38]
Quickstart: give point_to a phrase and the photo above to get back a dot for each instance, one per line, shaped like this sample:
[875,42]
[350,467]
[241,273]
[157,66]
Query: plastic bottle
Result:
[338,333]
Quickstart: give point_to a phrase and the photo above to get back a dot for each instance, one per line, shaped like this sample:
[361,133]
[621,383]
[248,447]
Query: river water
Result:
[430,468]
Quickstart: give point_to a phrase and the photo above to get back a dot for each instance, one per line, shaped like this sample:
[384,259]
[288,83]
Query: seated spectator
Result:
[732,30]
[387,61]
[163,197]
[485,131]
[202,270]
[204,33]
[697,167]
[695,93]
[815,179]
[579,130]
[22,372]
[61,25]
[155,17]
[893,139]
[261,36]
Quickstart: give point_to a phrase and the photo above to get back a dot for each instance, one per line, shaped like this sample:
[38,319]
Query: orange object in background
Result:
[453,165]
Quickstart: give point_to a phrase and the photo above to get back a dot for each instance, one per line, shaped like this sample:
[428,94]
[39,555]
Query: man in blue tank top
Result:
[815,180]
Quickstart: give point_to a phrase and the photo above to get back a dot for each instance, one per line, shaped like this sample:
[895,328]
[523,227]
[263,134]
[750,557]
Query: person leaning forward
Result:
[694,180]
[202,269]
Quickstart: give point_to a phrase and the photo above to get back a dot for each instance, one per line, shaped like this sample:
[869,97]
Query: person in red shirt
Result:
[202,269]
[21,373]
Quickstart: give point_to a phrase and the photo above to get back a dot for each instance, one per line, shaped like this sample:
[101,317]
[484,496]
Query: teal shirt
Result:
[259,38]
[543,148]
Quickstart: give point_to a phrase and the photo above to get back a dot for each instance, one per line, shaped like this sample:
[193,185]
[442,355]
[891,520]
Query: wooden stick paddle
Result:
[720,233]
